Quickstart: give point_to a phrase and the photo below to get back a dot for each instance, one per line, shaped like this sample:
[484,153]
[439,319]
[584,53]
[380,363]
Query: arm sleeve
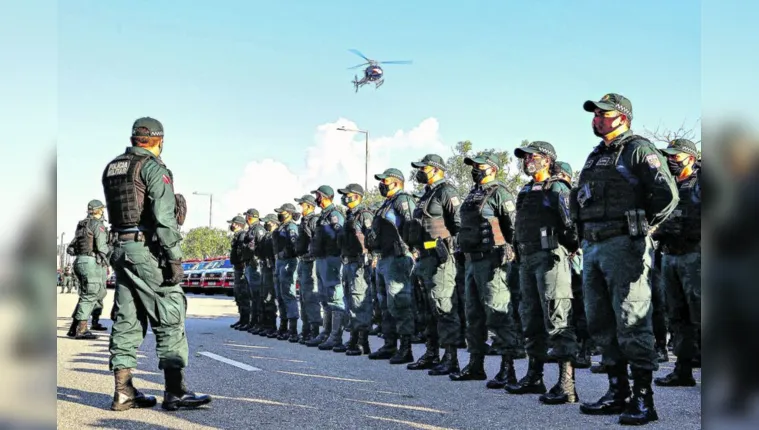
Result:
[567,232]
[656,183]
[504,207]
[160,197]
[100,239]
[451,216]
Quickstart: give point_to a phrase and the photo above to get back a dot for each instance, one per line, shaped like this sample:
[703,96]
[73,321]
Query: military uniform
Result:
[265,253]
[485,239]
[680,240]
[237,253]
[622,190]
[310,298]
[393,272]
[329,271]
[254,234]
[146,258]
[545,236]
[287,262]
[67,280]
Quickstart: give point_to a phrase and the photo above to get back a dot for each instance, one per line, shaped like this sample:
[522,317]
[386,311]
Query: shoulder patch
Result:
[653,161]
[367,223]
[537,187]
[509,206]
[455,201]
[333,219]
[404,205]
[118,168]
[166,179]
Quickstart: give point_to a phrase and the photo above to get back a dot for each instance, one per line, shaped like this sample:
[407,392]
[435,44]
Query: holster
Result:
[637,223]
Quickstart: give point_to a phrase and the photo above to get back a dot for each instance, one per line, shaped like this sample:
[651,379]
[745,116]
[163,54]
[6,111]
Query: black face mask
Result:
[383,189]
[478,175]
[422,177]
[281,217]
[676,167]
[231,228]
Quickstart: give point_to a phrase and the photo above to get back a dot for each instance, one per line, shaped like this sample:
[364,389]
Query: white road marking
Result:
[242,366]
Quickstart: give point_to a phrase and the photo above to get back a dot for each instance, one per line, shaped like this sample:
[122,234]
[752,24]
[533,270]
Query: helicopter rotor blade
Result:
[357,52]
[356,67]
[396,62]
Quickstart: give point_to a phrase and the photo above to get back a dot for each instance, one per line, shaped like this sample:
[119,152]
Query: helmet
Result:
[95,204]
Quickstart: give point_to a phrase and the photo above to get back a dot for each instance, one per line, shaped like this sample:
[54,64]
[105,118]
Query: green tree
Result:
[373,197]
[201,242]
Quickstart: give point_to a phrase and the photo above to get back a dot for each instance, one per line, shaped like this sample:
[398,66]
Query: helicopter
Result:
[373,71]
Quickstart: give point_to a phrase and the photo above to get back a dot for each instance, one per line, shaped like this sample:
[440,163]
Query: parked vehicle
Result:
[213,280]
[110,282]
[191,278]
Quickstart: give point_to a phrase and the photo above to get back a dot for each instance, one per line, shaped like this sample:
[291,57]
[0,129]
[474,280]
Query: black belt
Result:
[352,259]
[604,231]
[130,236]
[529,247]
[307,258]
[477,256]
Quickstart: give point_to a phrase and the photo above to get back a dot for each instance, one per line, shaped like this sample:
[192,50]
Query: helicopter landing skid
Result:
[379,83]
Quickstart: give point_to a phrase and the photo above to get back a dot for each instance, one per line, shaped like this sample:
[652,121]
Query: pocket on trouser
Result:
[171,307]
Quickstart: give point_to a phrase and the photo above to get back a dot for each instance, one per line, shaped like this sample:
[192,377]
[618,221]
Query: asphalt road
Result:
[269,384]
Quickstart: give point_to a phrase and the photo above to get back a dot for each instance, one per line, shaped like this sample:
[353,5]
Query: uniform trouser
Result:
[68,282]
[618,300]
[309,293]
[141,299]
[658,301]
[376,308]
[329,278]
[394,277]
[242,292]
[546,284]
[420,307]
[268,296]
[253,277]
[682,282]
[578,308]
[515,289]
[461,293]
[285,288]
[92,287]
[439,284]
[489,307]
[358,297]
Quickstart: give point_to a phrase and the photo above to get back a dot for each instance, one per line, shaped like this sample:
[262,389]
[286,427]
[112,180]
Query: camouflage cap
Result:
[487,158]
[681,145]
[565,168]
[609,102]
[325,190]
[95,204]
[252,212]
[154,127]
[238,219]
[307,198]
[433,160]
[287,207]
[352,188]
[537,147]
[390,173]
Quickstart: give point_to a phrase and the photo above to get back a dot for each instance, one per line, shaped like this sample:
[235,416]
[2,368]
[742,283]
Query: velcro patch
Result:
[118,168]
[604,161]
[404,205]
[455,201]
[653,161]
[333,219]
[537,187]
[510,207]
[166,179]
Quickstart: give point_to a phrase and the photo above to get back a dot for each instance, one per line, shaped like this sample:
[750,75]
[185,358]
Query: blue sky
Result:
[247,81]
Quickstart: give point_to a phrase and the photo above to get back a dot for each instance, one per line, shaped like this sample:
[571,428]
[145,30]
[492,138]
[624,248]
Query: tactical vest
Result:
[535,211]
[325,236]
[606,188]
[387,228]
[248,248]
[306,230]
[125,192]
[428,223]
[480,229]
[353,240]
[284,245]
[236,252]
[683,226]
[83,238]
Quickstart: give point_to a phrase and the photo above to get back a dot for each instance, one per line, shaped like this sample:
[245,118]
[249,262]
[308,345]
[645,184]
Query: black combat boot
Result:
[376,329]
[641,409]
[449,363]
[244,321]
[505,375]
[292,330]
[82,332]
[474,371]
[305,333]
[599,368]
[271,327]
[336,336]
[387,350]
[351,348]
[614,401]
[177,396]
[317,338]
[682,376]
[696,362]
[72,328]
[431,357]
[564,390]
[662,356]
[404,354]
[532,382]
[96,324]
[583,359]
[363,342]
[282,333]
[312,333]
[125,396]
[418,338]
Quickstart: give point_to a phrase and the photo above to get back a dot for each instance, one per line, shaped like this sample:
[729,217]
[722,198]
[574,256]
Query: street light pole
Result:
[60,249]
[366,155]
[210,206]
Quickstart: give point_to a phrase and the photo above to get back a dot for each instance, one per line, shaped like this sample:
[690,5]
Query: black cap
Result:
[326,190]
[433,160]
[155,128]
[252,212]
[487,158]
[287,207]
[307,198]
[538,147]
[609,102]
[681,145]
[352,188]
[565,167]
[390,173]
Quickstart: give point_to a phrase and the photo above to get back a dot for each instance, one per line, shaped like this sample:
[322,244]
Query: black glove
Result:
[174,274]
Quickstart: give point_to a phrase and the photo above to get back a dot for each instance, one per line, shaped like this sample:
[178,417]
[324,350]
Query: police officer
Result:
[237,259]
[287,263]
[623,189]
[310,299]
[545,237]
[388,237]
[356,269]
[680,240]
[90,245]
[485,239]
[139,194]
[253,235]
[68,279]
[266,255]
[328,269]
[436,222]
[422,317]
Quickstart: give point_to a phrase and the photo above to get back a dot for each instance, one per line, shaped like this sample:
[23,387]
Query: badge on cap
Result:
[653,161]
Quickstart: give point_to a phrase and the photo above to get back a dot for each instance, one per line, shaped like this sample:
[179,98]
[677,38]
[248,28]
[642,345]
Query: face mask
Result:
[422,177]
[478,175]
[530,167]
[231,228]
[282,217]
[676,167]
[383,189]
[603,125]
[306,209]
[269,226]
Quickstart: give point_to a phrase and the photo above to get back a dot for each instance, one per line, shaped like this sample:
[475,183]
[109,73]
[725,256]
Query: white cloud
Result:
[336,158]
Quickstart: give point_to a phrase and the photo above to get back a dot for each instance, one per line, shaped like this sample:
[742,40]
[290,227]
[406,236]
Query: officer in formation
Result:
[253,235]
[286,240]
[311,299]
[90,247]
[679,237]
[237,259]
[67,281]
[431,233]
[147,260]
[545,237]
[264,250]
[624,189]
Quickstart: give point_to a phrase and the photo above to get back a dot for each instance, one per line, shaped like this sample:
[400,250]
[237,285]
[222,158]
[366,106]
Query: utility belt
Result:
[89,254]
[252,262]
[634,225]
[128,236]
[477,256]
[398,250]
[548,242]
[504,254]
[363,259]
[285,255]
[308,258]
[680,248]
[440,248]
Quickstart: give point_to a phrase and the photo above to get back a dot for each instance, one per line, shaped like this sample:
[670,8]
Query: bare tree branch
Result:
[665,134]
